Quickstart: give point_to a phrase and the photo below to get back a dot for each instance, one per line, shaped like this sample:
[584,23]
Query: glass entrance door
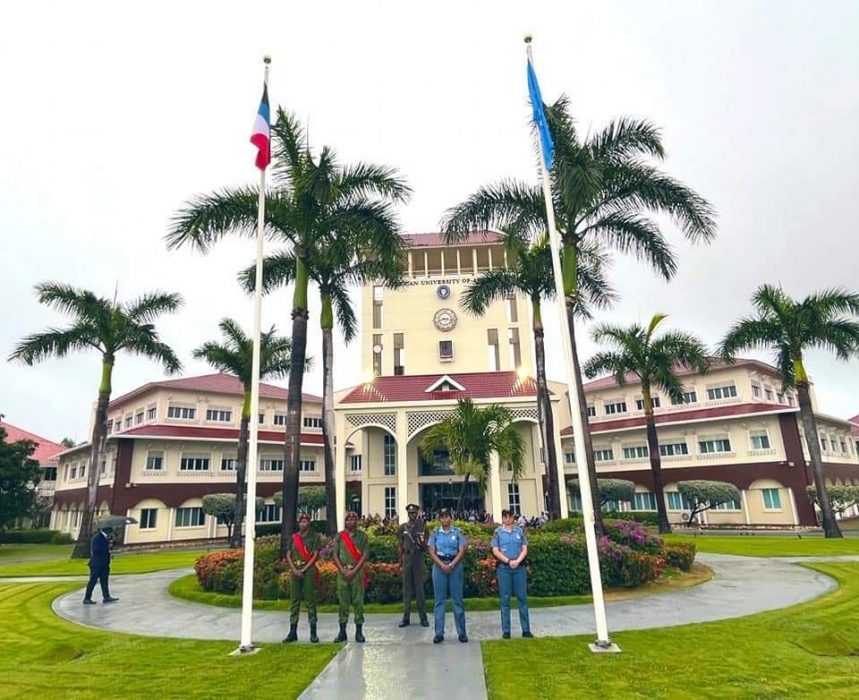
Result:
[434,497]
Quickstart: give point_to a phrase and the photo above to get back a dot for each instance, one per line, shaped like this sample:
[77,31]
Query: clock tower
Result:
[422,328]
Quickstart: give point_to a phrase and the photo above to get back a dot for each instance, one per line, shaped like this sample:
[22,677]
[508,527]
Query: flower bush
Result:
[557,563]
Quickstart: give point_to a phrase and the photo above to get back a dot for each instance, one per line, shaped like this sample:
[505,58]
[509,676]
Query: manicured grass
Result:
[763,546]
[187,587]
[810,650]
[46,657]
[21,553]
[32,561]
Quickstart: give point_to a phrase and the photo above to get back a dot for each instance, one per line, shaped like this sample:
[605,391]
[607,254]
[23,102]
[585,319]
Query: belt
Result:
[447,560]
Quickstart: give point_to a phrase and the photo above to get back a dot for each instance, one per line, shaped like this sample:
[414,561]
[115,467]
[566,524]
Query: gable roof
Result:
[219,383]
[715,364]
[420,387]
[46,450]
[436,240]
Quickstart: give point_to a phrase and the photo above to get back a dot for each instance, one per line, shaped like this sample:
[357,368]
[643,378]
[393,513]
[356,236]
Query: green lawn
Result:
[763,546]
[53,560]
[44,656]
[811,650]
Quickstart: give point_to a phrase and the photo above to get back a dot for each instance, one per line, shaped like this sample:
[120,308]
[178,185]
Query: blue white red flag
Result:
[261,136]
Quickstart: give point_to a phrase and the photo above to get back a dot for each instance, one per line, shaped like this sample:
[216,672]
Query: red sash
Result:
[304,552]
[346,539]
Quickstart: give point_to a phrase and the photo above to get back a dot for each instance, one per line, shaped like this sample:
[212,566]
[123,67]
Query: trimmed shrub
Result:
[680,555]
[35,537]
[484,578]
[633,535]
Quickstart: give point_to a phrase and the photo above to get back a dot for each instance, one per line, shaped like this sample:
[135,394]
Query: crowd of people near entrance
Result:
[445,545]
[474,516]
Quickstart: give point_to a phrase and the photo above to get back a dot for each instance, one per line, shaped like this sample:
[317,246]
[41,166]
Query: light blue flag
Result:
[540,118]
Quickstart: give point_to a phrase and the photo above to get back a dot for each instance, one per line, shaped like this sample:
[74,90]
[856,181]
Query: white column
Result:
[495,487]
[402,468]
[745,503]
[171,517]
[793,506]
[340,468]
[458,263]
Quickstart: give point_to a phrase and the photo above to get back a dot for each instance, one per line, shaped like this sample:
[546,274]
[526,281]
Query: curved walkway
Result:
[741,586]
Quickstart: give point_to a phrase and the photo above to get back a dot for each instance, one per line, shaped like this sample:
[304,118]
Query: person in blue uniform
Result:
[510,547]
[99,567]
[446,549]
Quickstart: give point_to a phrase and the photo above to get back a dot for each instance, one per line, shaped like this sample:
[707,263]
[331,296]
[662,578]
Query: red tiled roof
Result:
[682,416]
[219,383]
[436,240]
[199,433]
[46,450]
[715,363]
[478,385]
[854,420]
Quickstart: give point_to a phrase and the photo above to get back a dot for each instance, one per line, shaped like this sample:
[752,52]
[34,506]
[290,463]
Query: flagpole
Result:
[603,643]
[246,644]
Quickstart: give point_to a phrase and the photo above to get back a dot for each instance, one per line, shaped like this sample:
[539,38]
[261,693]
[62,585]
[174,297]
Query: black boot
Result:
[293,634]
[341,637]
[359,635]
[313,638]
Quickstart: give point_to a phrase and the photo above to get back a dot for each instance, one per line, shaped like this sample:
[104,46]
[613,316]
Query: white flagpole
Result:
[246,644]
[603,643]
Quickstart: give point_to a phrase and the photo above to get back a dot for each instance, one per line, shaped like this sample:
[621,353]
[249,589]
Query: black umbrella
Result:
[116,521]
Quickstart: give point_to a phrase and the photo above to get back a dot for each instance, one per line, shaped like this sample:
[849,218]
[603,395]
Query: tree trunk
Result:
[806,412]
[292,439]
[241,472]
[461,498]
[328,415]
[655,461]
[547,420]
[81,548]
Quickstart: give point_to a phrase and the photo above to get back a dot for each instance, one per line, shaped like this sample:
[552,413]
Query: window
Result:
[760,440]
[644,501]
[843,446]
[676,501]
[378,297]
[155,461]
[690,396]
[727,391]
[151,413]
[772,499]
[49,474]
[603,455]
[790,400]
[261,418]
[138,419]
[592,411]
[512,309]
[389,455]
[654,401]
[390,501]
[271,465]
[190,517]
[228,464]
[74,473]
[280,419]
[109,427]
[219,415]
[181,412]
[305,465]
[355,463]
[128,421]
[616,407]
[673,449]
[824,443]
[569,457]
[728,505]
[756,390]
[312,422]
[714,445]
[513,500]
[270,513]
[768,393]
[377,354]
[194,464]
[445,350]
[780,397]
[493,349]
[399,355]
[513,339]
[148,518]
[636,452]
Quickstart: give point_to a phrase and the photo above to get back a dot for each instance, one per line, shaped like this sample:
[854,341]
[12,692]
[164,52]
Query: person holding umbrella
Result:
[99,565]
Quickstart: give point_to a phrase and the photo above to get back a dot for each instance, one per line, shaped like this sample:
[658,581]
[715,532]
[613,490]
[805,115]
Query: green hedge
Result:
[557,564]
[35,537]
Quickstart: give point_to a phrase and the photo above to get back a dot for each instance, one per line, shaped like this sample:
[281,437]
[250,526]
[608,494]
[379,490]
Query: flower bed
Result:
[557,564]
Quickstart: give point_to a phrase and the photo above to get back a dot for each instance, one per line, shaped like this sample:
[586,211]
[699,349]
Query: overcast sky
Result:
[112,118]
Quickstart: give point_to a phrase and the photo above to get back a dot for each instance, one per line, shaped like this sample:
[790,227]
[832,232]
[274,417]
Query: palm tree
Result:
[826,320]
[312,200]
[335,265]
[655,361]
[235,356]
[604,188]
[471,435]
[109,327]
[530,274]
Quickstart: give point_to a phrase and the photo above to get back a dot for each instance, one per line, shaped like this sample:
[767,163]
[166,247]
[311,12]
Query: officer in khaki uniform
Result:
[411,545]
[351,550]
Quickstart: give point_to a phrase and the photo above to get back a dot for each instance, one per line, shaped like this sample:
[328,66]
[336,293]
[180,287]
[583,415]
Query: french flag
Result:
[261,136]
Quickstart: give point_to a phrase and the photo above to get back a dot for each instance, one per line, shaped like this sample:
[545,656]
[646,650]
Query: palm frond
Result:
[205,219]
[363,180]
[626,138]
[487,287]
[81,303]
[637,235]
[151,305]
[55,343]
[500,206]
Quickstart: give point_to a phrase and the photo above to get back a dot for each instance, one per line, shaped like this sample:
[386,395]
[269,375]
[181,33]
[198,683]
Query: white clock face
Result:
[445,320]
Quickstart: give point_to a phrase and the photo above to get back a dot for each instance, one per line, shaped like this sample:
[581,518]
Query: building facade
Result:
[46,454]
